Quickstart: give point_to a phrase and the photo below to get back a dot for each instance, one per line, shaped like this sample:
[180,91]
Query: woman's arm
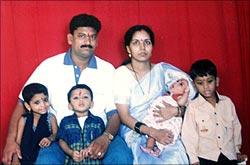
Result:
[162,136]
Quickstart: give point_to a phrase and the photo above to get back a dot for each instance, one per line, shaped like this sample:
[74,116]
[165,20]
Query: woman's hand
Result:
[163,136]
[165,113]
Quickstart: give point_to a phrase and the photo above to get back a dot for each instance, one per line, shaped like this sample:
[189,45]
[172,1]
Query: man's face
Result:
[83,42]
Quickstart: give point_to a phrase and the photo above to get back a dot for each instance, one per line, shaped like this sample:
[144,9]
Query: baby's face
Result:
[179,86]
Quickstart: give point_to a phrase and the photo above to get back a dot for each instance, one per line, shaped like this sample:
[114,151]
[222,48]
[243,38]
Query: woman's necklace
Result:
[138,82]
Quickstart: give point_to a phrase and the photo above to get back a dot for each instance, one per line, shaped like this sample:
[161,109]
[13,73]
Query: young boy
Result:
[211,131]
[77,131]
[37,127]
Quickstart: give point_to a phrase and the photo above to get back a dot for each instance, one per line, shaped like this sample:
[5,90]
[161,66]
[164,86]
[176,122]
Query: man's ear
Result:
[27,106]
[70,106]
[70,38]
[217,81]
[92,104]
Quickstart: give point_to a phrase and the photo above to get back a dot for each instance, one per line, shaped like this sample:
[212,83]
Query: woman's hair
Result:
[203,67]
[80,86]
[84,20]
[131,31]
[31,89]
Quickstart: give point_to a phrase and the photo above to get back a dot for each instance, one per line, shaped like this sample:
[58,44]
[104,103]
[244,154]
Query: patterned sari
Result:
[128,91]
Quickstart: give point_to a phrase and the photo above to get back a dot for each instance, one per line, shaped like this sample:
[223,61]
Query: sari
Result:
[139,96]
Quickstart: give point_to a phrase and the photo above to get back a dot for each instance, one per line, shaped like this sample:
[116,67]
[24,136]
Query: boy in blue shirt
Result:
[77,131]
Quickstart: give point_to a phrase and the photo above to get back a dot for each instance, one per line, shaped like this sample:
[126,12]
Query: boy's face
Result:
[38,104]
[206,86]
[80,101]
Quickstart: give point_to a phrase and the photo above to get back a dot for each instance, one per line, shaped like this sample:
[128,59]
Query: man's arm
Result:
[11,147]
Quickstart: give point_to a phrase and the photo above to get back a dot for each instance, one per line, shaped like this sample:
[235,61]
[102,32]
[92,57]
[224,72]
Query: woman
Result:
[137,83]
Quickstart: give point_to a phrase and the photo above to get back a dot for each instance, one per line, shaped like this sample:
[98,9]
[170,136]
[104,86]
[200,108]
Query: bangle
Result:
[137,127]
[182,110]
[51,138]
[178,111]
[109,135]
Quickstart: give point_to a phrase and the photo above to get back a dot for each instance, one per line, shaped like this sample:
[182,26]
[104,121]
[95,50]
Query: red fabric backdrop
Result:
[185,31]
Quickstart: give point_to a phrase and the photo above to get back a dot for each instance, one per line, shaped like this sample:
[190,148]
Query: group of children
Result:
[210,130]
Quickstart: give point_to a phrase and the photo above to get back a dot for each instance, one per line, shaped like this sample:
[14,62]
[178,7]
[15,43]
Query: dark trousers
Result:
[223,160]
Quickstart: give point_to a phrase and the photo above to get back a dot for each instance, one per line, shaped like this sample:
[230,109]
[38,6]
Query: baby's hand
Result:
[76,156]
[45,142]
[84,153]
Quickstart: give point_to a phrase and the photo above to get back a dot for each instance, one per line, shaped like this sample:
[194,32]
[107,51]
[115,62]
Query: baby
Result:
[178,90]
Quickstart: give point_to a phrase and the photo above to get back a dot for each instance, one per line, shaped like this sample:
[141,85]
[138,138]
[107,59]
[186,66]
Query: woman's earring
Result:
[129,55]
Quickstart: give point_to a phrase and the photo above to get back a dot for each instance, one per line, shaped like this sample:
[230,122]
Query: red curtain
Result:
[185,31]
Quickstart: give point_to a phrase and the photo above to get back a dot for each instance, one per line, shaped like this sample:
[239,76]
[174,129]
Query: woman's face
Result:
[140,46]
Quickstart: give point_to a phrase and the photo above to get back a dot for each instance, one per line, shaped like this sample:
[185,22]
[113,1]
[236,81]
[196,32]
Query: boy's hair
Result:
[203,67]
[80,86]
[84,20]
[31,89]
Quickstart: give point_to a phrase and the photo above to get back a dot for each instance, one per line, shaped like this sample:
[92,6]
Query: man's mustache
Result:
[86,46]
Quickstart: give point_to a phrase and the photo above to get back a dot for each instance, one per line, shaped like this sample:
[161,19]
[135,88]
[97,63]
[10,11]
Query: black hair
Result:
[131,31]
[203,67]
[31,89]
[84,20]
[80,86]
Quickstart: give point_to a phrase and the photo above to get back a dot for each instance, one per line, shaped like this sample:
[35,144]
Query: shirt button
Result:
[220,148]
[217,123]
[215,113]
[218,137]
[75,67]
[77,75]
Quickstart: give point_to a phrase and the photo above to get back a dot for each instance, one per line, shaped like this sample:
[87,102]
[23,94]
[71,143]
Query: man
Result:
[78,65]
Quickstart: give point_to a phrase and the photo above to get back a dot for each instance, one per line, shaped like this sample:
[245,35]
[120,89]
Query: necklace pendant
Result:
[146,96]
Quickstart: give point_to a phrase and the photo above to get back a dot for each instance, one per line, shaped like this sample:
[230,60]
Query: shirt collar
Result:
[68,60]
[218,97]
[89,115]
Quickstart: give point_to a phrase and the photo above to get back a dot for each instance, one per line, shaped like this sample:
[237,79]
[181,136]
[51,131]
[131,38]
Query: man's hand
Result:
[15,160]
[10,149]
[98,147]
